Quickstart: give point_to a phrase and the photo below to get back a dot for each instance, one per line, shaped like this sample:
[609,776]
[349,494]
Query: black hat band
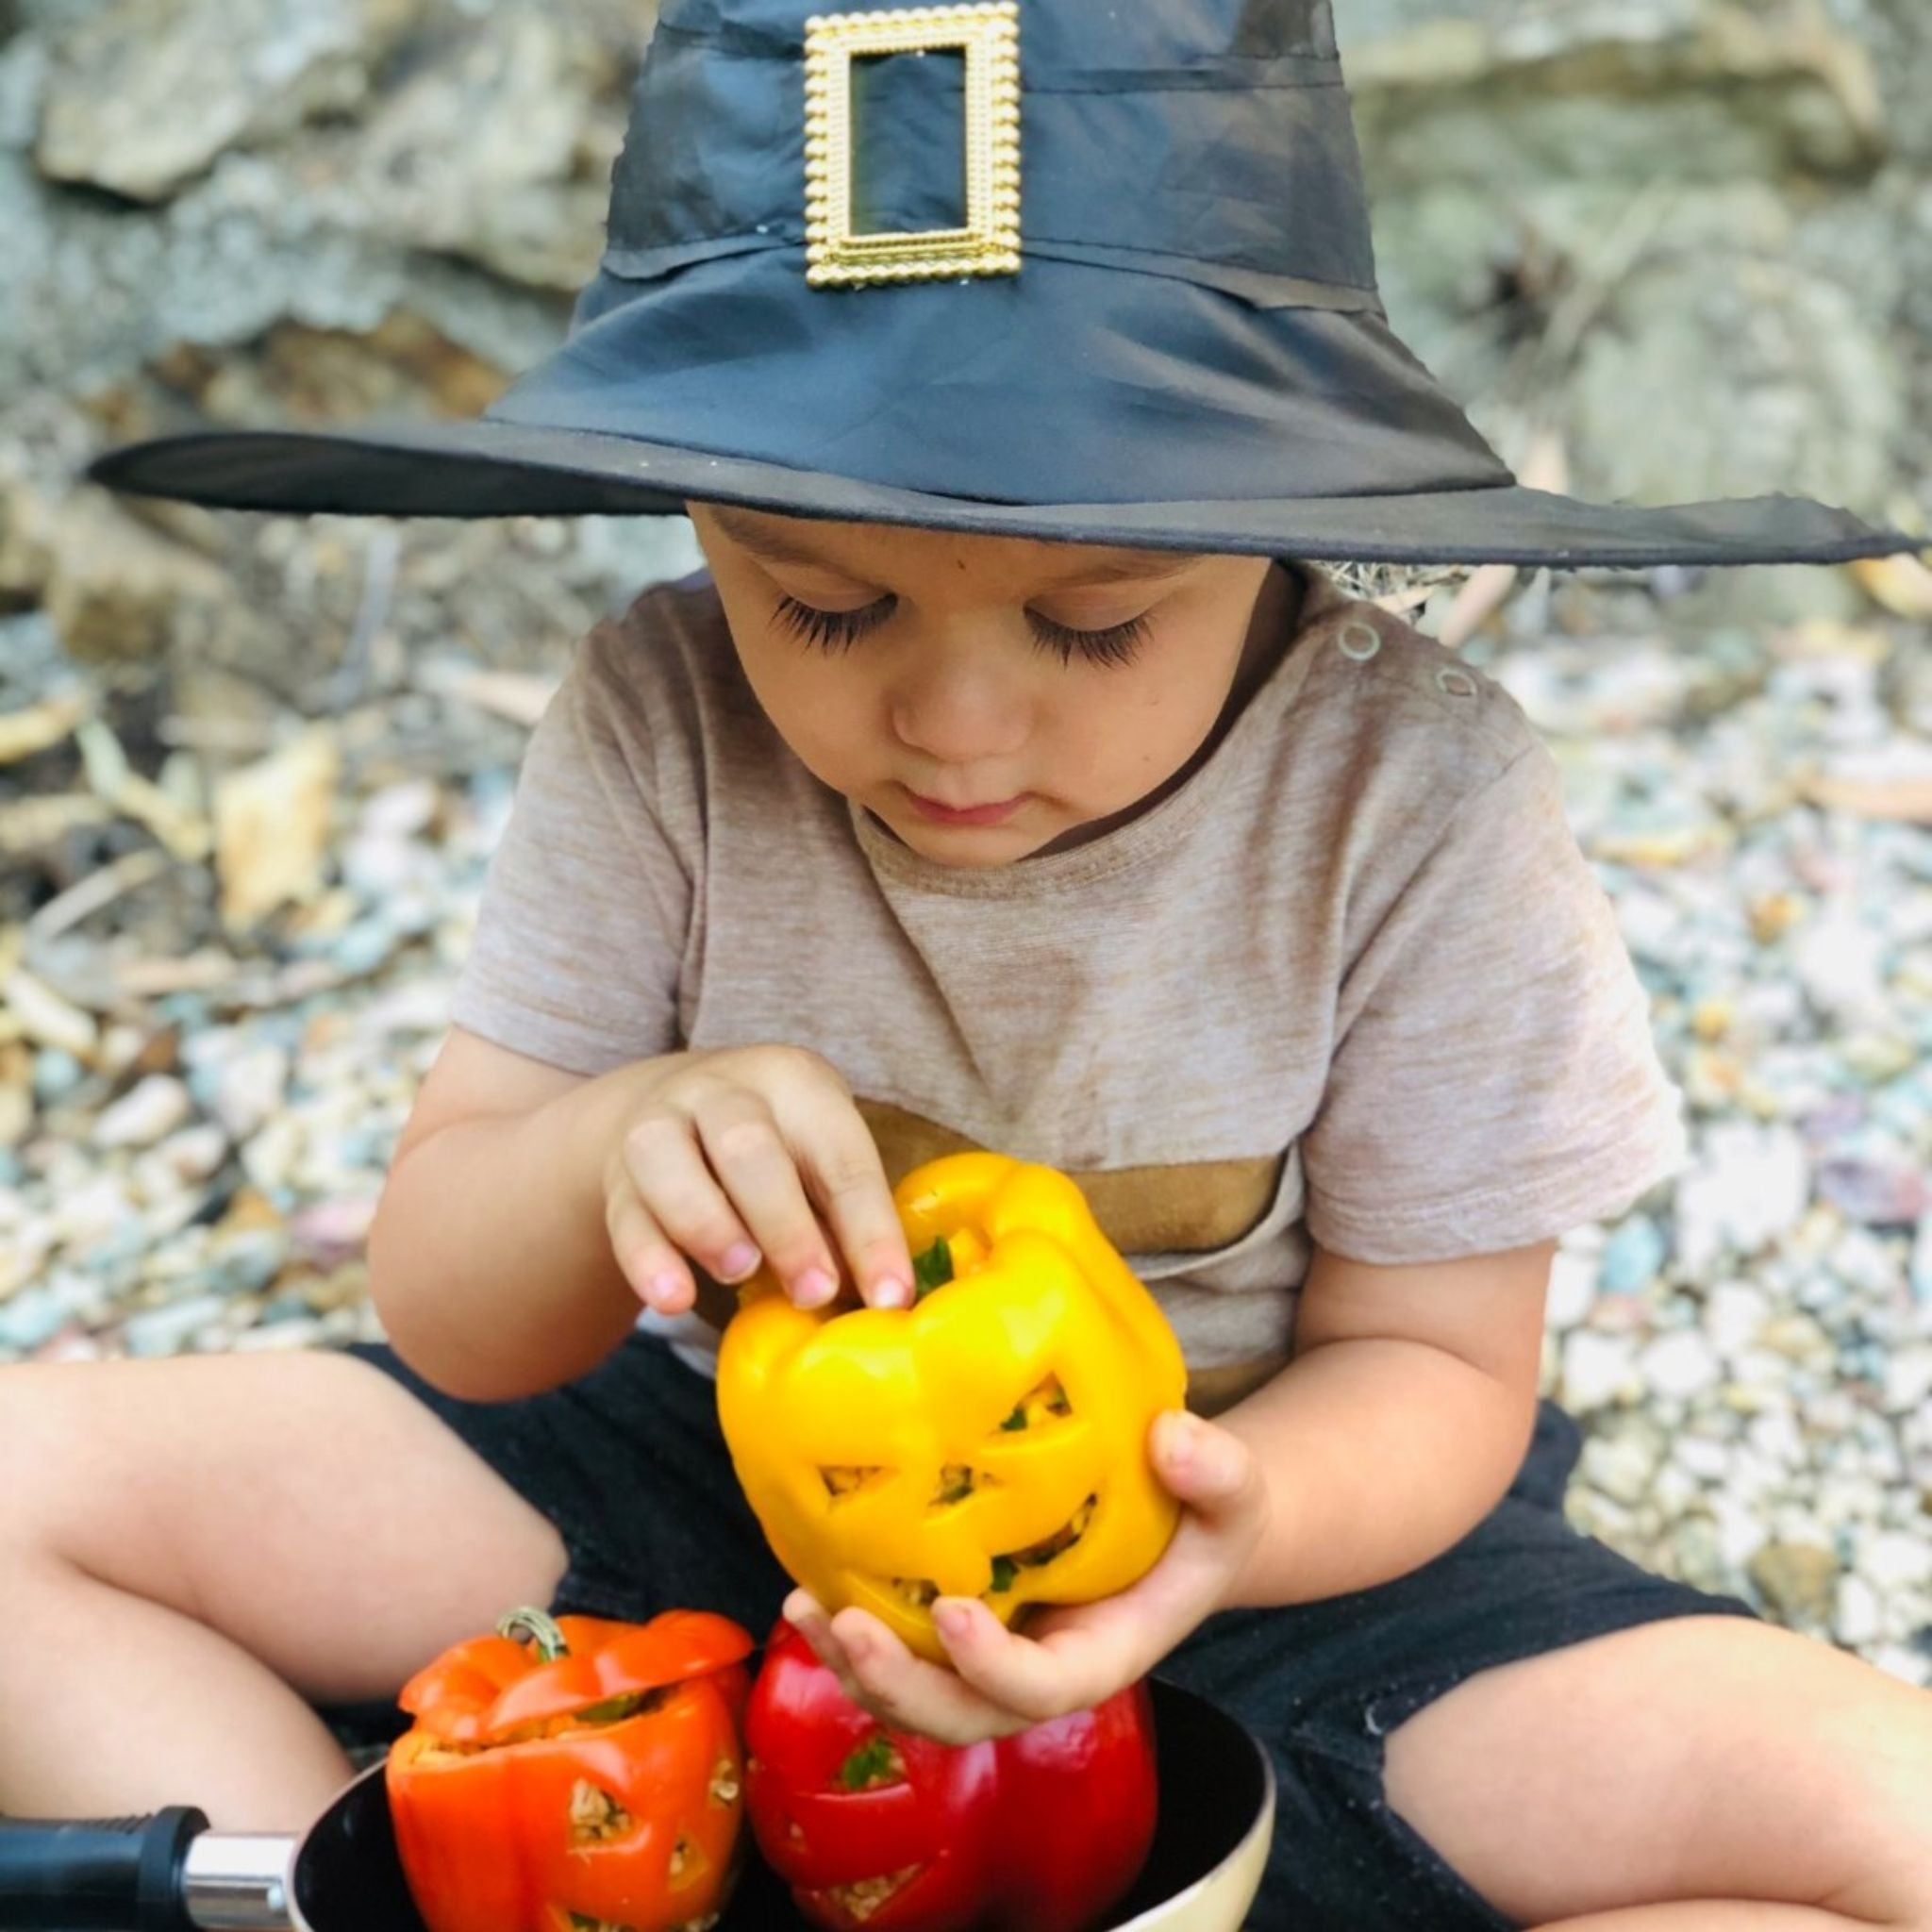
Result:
[1238,172]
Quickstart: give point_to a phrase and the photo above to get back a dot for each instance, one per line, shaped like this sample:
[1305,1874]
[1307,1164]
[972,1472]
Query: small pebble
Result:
[154,1107]
[1632,1257]
[1598,1370]
[1896,1561]
[28,1318]
[56,1073]
[1680,1365]
[1797,1580]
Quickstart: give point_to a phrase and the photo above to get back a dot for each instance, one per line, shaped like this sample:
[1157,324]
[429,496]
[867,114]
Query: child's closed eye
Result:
[833,631]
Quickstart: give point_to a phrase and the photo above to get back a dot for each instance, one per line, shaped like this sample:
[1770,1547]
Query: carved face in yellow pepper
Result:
[990,1442]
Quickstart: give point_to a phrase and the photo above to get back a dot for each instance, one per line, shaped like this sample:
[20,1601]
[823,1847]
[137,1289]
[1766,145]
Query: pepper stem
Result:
[539,1628]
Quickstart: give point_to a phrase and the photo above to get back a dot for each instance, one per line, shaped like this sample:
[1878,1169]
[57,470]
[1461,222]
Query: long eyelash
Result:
[836,631]
[1114,646]
[832,631]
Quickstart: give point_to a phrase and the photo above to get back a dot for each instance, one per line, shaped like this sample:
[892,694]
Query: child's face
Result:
[1064,683]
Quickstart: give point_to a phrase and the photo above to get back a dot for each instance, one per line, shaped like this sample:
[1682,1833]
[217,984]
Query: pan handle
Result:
[97,1875]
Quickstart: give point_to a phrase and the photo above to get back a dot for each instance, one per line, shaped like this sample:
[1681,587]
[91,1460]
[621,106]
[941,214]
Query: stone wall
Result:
[1695,238]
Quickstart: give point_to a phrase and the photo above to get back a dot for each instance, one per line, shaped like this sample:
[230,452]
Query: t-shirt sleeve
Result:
[589,900]
[1494,1081]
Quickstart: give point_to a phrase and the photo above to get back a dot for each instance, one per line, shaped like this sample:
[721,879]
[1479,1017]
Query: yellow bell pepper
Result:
[990,1442]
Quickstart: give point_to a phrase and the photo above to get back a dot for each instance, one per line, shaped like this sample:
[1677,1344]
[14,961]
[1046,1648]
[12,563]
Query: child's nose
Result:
[960,713]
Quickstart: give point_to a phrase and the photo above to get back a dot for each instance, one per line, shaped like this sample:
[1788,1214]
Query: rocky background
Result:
[251,768]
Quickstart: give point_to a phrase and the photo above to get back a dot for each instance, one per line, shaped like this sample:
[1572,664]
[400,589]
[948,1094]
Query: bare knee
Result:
[302,1505]
[43,1431]
[1696,1758]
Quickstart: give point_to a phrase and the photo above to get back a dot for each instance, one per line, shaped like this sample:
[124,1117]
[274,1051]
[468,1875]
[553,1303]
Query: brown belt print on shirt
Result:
[1188,1207]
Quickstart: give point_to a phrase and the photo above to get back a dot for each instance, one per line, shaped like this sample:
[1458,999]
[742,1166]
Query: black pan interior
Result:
[1212,1781]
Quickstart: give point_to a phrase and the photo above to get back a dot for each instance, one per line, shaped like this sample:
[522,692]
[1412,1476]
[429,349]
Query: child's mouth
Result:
[967,815]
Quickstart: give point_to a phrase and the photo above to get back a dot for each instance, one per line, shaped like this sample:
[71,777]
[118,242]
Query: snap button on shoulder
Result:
[1459,684]
[1359,641]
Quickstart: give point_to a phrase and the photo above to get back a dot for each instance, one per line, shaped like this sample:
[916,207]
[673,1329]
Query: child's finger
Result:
[1210,1469]
[848,1180]
[683,1197]
[1036,1680]
[914,1695]
[653,1267]
[808,1617]
[757,1171]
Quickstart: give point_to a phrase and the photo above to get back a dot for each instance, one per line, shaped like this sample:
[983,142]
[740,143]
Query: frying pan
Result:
[168,1873]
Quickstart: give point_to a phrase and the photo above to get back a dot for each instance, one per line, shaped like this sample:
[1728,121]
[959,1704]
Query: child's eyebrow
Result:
[1124,566]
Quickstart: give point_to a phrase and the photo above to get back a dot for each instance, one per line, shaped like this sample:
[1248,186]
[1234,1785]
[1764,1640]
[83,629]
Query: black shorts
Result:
[628,1463]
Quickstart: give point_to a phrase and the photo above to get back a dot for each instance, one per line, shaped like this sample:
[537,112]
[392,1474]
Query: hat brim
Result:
[482,468]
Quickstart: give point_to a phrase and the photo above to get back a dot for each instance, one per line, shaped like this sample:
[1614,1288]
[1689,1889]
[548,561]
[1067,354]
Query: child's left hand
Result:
[1076,1655]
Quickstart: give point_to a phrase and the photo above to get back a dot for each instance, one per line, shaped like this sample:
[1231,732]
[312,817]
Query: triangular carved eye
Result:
[1044,1403]
[844,1480]
[595,1814]
[871,1765]
[955,1485]
[957,1481]
[688,1863]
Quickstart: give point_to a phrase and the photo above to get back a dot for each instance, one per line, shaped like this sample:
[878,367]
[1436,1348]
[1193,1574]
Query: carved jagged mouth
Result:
[921,1592]
[583,1922]
[1006,1566]
[860,1900]
[1043,1406]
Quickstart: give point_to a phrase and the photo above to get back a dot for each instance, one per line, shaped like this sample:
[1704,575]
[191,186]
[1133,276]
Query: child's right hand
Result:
[732,1157]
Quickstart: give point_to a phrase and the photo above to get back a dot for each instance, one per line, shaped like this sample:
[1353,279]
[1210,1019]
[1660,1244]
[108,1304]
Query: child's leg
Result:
[183,1541]
[1530,1730]
[1708,1759]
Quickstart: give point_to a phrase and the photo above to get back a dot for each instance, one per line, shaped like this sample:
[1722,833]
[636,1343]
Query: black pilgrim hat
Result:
[1061,269]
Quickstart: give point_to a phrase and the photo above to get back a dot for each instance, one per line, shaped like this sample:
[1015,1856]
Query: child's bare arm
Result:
[529,1211]
[1400,1422]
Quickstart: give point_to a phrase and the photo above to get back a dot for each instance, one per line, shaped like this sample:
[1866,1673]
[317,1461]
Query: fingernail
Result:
[813,1289]
[1183,1436]
[954,1620]
[738,1261]
[892,1292]
[662,1288]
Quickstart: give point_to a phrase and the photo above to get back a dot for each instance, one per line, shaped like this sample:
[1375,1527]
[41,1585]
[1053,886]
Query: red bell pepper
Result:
[1039,1832]
[595,1782]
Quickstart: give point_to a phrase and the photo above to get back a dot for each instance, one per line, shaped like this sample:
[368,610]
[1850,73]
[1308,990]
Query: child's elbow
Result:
[412,1308]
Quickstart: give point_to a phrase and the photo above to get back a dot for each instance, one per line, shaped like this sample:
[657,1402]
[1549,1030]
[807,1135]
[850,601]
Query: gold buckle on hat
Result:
[989,245]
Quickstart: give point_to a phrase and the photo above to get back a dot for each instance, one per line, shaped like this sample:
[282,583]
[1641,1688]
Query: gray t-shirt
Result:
[1351,982]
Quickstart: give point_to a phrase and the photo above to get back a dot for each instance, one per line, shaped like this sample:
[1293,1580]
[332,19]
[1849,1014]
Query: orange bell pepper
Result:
[592,1783]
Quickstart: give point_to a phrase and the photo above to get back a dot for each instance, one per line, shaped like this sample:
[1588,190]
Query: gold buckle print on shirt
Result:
[989,245]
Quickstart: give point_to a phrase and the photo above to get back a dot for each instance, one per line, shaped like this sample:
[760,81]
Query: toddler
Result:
[1012,777]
